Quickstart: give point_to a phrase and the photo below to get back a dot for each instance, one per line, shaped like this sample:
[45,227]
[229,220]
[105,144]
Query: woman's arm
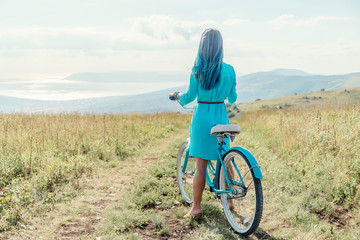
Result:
[191,94]
[232,95]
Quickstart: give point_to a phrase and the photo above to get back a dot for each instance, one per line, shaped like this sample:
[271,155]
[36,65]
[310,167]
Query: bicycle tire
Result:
[245,218]
[185,179]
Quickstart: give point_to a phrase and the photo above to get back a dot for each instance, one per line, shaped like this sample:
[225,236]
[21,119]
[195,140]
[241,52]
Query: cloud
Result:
[235,21]
[291,20]
[56,38]
[145,33]
[165,28]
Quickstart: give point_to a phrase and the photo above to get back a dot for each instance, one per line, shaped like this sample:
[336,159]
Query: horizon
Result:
[44,89]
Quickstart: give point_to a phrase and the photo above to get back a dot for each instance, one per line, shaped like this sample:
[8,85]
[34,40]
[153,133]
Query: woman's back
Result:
[207,115]
[225,88]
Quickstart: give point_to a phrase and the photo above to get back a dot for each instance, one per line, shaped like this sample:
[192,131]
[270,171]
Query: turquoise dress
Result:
[205,116]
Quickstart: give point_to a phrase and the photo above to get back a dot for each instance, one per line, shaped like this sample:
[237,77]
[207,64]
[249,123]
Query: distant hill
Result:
[305,100]
[266,85]
[144,103]
[288,72]
[251,87]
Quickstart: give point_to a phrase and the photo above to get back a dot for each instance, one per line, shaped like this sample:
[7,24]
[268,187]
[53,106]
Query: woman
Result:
[211,82]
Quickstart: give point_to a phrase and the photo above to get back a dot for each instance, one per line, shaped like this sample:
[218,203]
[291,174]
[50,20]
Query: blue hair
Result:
[208,63]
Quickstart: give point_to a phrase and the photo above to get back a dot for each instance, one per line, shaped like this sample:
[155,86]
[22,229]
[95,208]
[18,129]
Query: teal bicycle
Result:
[234,175]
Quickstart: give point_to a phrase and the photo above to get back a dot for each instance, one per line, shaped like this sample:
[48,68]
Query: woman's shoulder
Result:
[227,66]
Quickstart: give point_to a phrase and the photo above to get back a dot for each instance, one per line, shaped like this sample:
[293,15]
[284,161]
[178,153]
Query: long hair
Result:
[208,63]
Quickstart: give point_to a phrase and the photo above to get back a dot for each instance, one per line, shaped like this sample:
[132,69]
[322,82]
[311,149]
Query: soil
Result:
[339,219]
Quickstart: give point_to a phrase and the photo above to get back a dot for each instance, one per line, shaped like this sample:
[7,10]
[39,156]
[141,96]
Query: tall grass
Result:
[310,160]
[311,163]
[41,155]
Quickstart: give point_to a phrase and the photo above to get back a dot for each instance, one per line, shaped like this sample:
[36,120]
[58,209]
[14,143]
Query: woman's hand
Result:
[174,96]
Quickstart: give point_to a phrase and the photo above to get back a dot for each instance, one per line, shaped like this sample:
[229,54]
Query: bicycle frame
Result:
[214,184]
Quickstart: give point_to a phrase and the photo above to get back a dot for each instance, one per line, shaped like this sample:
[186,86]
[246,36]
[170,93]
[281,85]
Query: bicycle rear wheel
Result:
[247,198]
[185,173]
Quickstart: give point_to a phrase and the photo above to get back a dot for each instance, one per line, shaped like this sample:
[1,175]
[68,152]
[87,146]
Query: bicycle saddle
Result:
[228,128]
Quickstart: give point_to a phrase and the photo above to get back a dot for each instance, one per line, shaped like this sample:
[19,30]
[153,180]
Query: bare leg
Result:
[198,186]
[230,173]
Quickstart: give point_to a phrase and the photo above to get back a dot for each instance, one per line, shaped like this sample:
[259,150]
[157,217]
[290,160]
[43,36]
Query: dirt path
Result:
[79,217]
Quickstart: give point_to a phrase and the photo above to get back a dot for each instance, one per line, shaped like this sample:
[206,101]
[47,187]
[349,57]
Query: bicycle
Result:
[235,183]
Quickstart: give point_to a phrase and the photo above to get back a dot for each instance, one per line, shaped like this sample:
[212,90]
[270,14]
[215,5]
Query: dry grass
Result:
[44,157]
[310,161]
[306,100]
[311,164]
[309,158]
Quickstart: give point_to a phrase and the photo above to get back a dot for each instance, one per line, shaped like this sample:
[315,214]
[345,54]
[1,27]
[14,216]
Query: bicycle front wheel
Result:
[185,169]
[243,206]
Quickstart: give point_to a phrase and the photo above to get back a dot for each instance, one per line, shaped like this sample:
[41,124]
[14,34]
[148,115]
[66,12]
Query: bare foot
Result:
[191,214]
[194,212]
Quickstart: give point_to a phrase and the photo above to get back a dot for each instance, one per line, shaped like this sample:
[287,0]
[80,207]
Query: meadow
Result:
[43,158]
[309,158]
[306,100]
[311,163]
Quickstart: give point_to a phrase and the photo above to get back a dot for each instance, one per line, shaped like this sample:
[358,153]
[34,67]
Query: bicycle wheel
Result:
[185,174]
[247,198]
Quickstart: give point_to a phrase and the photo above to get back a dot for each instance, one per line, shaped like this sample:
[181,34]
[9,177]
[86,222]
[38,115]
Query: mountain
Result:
[145,103]
[251,87]
[265,85]
[289,72]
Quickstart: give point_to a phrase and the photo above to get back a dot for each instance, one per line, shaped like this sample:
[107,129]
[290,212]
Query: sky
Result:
[44,39]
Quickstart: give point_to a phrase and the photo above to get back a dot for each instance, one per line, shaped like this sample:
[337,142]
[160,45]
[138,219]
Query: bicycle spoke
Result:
[185,172]
[245,215]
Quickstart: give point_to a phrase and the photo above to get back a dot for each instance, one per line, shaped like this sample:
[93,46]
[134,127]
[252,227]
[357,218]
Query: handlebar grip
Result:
[172,96]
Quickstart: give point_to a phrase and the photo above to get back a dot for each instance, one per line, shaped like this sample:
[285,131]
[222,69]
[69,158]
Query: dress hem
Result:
[203,158]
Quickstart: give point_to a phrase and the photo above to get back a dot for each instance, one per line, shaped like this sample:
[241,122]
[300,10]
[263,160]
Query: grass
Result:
[145,203]
[311,165]
[154,201]
[45,157]
[309,158]
[310,162]
[305,100]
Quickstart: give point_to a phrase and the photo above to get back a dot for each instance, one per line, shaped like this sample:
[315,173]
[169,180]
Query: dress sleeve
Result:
[232,95]
[192,92]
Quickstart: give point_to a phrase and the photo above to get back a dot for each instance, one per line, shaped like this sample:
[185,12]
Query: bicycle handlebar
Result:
[173,98]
